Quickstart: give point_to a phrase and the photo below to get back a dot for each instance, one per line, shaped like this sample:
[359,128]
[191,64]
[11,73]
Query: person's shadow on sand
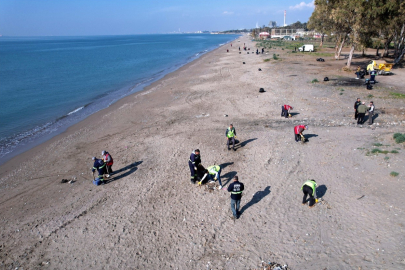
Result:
[242,144]
[320,191]
[228,175]
[257,197]
[131,168]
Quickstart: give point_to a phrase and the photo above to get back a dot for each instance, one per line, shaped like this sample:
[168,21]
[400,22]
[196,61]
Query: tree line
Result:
[361,24]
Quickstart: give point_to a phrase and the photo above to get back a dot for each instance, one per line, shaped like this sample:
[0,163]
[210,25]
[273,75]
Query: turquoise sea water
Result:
[50,83]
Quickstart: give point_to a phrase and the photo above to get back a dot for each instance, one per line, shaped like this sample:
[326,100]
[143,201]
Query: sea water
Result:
[50,83]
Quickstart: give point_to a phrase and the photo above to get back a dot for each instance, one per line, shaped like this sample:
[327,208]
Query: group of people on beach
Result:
[360,110]
[103,166]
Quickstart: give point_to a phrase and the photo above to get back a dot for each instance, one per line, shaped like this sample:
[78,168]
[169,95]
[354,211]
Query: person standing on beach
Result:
[370,112]
[356,105]
[108,160]
[309,188]
[362,109]
[193,163]
[230,134]
[99,165]
[236,189]
[285,110]
[298,132]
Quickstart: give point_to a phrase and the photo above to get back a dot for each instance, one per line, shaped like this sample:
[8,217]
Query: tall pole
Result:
[284,16]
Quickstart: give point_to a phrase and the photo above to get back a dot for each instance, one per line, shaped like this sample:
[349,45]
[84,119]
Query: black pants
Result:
[233,142]
[356,114]
[192,172]
[109,169]
[308,191]
[360,118]
[284,112]
[297,137]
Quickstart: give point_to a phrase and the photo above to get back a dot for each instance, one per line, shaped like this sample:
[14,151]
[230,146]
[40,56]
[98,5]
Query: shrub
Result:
[377,144]
[275,56]
[399,138]
[266,60]
[370,96]
[314,81]
[394,174]
[394,152]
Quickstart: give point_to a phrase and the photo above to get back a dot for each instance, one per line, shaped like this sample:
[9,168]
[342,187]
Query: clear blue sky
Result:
[120,17]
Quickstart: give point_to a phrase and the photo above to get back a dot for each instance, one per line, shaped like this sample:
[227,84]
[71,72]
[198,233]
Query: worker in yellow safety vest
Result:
[214,173]
[309,188]
[230,134]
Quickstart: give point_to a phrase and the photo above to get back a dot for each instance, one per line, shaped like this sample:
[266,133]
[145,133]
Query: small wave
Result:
[74,111]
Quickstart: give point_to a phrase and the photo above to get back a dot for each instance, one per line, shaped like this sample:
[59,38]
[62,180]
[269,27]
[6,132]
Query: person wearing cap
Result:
[362,109]
[230,134]
[298,132]
[236,189]
[285,110]
[108,160]
[193,163]
[309,188]
[99,165]
[356,105]
[370,112]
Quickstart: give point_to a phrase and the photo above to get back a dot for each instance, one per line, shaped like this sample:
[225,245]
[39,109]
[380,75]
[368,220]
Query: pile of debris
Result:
[274,266]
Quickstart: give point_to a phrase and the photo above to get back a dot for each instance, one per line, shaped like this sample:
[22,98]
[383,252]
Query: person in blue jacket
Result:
[99,165]
[193,163]
[236,189]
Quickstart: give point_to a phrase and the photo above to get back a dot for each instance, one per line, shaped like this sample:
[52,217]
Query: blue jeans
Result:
[235,204]
[219,177]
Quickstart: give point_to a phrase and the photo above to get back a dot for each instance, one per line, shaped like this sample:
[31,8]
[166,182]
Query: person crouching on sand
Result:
[309,188]
[285,110]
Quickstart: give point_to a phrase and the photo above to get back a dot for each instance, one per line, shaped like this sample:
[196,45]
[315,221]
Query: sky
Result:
[126,17]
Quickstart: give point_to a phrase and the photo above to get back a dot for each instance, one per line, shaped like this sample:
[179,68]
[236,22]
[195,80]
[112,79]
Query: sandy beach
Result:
[149,216]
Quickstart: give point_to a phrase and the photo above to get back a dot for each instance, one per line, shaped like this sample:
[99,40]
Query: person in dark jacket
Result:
[371,108]
[193,163]
[99,165]
[230,134]
[236,189]
[356,105]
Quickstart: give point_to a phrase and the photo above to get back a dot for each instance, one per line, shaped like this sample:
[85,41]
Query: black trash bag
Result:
[261,90]
[243,62]
[260,69]
[325,79]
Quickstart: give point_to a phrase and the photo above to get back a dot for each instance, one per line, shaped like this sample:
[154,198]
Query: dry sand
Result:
[151,217]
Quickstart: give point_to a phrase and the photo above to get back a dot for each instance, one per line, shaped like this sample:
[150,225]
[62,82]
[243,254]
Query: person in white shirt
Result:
[370,112]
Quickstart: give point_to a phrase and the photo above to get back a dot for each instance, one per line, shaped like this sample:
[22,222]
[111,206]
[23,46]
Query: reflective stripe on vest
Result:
[311,184]
[237,192]
[230,133]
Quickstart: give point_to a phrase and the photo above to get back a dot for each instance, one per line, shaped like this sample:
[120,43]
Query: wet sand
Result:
[149,216]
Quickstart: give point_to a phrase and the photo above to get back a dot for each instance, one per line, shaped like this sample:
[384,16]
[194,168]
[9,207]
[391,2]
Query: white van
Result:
[306,48]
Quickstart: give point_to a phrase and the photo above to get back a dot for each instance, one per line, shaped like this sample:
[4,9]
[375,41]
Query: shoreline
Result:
[143,85]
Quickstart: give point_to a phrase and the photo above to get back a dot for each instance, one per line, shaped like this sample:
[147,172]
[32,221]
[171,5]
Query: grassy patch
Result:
[397,95]
[266,60]
[322,54]
[399,137]
[340,93]
[370,96]
[275,56]
[394,152]
[377,144]
[386,158]
[379,151]
[394,174]
[314,81]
